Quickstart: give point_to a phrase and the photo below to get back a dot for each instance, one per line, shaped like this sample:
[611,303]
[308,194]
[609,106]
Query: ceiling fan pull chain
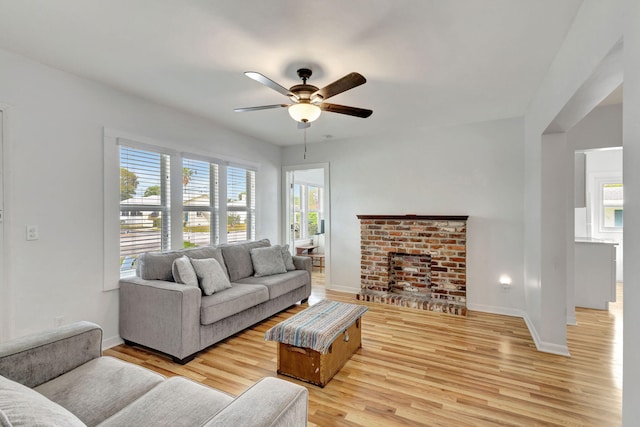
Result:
[305,143]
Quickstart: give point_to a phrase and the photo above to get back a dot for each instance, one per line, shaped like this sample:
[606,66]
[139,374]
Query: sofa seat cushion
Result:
[99,388]
[22,406]
[279,284]
[175,402]
[231,301]
[237,257]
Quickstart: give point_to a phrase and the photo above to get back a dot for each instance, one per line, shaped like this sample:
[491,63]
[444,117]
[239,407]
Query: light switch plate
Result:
[32,232]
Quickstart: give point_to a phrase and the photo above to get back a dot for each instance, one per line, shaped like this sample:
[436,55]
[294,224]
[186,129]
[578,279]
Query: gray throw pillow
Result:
[267,261]
[210,275]
[183,271]
[286,257]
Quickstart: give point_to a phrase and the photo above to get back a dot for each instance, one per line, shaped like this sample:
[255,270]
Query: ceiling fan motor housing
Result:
[307,100]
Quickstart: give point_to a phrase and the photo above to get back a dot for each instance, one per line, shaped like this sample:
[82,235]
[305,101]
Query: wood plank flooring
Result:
[426,369]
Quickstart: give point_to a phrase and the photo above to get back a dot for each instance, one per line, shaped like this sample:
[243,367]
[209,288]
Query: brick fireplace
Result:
[415,261]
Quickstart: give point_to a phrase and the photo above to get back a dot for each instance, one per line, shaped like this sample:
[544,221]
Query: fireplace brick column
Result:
[441,237]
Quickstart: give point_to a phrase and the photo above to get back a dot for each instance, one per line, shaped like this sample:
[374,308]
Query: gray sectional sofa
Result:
[179,320]
[60,378]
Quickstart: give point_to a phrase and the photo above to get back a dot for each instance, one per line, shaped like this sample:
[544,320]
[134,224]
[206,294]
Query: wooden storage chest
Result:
[318,368]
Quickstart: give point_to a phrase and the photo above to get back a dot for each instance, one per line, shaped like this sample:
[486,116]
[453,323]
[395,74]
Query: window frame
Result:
[303,211]
[112,139]
[164,206]
[603,206]
[249,206]
[214,196]
[599,181]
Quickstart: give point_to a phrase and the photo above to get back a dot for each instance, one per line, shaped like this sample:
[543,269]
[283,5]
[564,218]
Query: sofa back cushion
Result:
[157,265]
[237,257]
[22,406]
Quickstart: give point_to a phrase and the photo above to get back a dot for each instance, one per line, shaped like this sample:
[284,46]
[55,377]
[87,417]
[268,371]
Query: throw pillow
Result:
[211,277]
[183,271]
[267,261]
[286,257]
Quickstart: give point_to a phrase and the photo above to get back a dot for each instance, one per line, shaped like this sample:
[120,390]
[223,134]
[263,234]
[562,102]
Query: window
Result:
[241,207]
[612,205]
[313,210]
[307,205]
[169,200]
[144,204]
[199,203]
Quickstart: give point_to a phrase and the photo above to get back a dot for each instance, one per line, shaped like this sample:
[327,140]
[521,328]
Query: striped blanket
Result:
[317,326]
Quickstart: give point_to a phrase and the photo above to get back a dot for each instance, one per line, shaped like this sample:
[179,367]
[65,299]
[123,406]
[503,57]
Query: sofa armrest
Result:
[269,402]
[303,263]
[40,357]
[164,316]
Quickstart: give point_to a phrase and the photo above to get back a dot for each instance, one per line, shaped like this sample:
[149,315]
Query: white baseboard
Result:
[505,311]
[111,342]
[348,290]
[545,347]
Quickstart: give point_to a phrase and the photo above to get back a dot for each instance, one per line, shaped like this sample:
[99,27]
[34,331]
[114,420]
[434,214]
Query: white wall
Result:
[595,31]
[604,164]
[55,150]
[601,128]
[474,170]
[597,28]
[631,132]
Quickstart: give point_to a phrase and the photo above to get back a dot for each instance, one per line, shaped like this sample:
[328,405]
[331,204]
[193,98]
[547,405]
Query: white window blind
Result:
[144,204]
[200,203]
[241,209]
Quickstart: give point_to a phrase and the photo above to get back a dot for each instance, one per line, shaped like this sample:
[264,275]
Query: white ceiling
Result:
[427,62]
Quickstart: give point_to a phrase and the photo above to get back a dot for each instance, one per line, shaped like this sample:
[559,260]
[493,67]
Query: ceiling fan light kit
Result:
[304,112]
[307,100]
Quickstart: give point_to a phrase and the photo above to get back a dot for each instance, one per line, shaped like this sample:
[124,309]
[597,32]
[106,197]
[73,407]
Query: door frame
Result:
[327,210]
[6,306]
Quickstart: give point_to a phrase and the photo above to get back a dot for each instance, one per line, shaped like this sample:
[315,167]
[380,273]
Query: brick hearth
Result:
[415,261]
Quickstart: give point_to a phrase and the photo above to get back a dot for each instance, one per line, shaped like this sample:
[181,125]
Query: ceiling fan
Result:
[307,100]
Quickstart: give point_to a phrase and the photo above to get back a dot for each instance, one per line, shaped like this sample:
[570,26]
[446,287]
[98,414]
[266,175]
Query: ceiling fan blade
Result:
[262,107]
[269,83]
[349,81]
[343,109]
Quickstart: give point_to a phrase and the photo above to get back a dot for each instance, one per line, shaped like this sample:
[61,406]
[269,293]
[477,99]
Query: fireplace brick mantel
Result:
[417,217]
[441,237]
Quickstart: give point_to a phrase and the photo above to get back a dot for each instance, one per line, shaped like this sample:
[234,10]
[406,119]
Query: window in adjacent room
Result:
[200,208]
[612,205]
[297,210]
[307,208]
[313,209]
[144,204]
[241,205]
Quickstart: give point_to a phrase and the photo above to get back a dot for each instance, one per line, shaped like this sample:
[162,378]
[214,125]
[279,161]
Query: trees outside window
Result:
[144,204]
[241,207]
[307,207]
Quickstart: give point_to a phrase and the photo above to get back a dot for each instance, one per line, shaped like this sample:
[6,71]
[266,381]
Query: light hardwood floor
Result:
[421,368]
